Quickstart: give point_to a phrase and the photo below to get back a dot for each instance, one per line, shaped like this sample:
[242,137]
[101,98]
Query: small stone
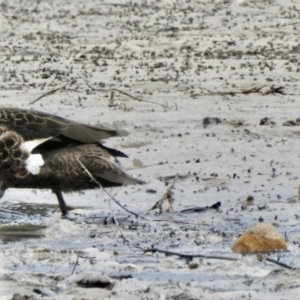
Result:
[290,123]
[250,200]
[211,121]
[92,280]
[194,265]
[260,238]
[266,121]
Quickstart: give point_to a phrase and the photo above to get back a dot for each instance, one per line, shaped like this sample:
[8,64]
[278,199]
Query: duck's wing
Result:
[96,163]
[32,124]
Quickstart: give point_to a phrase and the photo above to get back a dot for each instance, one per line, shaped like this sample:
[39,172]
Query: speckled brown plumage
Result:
[71,162]
[32,124]
[12,157]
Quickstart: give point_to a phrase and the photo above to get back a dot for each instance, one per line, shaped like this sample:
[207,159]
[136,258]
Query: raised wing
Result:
[32,124]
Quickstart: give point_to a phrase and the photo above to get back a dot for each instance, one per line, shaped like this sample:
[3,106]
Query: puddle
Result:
[27,220]
[23,221]
[14,233]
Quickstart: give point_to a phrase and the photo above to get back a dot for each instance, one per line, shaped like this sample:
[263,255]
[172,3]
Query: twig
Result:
[253,90]
[169,177]
[121,230]
[215,206]
[76,262]
[112,91]
[168,195]
[114,218]
[48,94]
[118,226]
[279,263]
[100,185]
[127,240]
[185,255]
[138,99]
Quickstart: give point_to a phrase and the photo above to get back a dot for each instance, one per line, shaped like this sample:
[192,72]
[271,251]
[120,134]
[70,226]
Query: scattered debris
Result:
[211,121]
[93,280]
[112,93]
[236,122]
[63,88]
[172,177]
[167,198]
[250,200]
[194,265]
[263,90]
[17,296]
[291,123]
[215,206]
[266,121]
[151,191]
[44,293]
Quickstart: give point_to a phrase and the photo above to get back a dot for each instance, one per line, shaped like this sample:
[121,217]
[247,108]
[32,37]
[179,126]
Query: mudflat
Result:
[209,91]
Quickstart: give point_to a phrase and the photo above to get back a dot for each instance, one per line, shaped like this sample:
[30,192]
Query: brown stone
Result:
[260,238]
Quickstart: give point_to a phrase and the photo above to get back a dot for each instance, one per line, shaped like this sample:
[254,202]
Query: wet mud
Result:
[209,92]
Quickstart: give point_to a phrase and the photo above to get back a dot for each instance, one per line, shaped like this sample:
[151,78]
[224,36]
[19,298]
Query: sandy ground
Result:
[190,60]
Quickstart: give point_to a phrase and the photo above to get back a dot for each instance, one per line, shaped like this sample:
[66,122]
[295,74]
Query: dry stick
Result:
[113,215]
[279,263]
[167,196]
[169,177]
[253,90]
[138,99]
[100,185]
[183,255]
[121,230]
[75,264]
[124,93]
[48,94]
[118,203]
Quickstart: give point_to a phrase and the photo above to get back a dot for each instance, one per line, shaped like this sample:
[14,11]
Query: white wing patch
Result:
[30,145]
[34,163]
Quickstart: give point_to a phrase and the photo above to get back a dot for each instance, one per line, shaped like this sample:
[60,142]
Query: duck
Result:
[39,150]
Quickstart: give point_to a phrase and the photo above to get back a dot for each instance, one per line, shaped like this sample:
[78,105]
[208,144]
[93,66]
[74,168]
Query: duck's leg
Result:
[3,188]
[62,204]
